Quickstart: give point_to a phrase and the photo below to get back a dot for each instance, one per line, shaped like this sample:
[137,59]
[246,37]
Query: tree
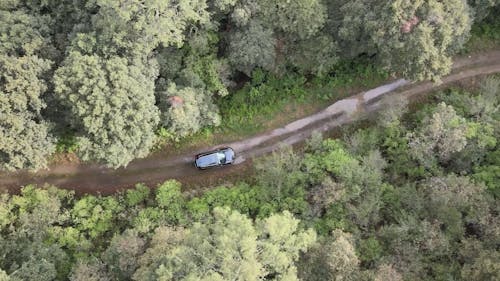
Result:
[26,255]
[94,216]
[185,110]
[170,199]
[315,55]
[135,28]
[442,134]
[387,273]
[92,270]
[228,247]
[481,8]
[25,39]
[23,34]
[252,47]
[4,276]
[161,247]
[393,108]
[25,141]
[333,259]
[281,182]
[414,38]
[453,200]
[122,255]
[481,261]
[112,105]
[324,194]
[298,18]
[281,243]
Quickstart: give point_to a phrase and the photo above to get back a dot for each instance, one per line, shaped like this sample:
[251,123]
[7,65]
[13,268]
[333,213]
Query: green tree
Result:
[482,8]
[316,55]
[413,38]
[299,18]
[281,243]
[481,262]
[95,216]
[122,255]
[185,110]
[136,28]
[251,47]
[281,182]
[112,105]
[26,253]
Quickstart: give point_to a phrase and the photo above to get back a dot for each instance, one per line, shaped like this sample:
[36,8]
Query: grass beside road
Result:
[484,35]
[269,101]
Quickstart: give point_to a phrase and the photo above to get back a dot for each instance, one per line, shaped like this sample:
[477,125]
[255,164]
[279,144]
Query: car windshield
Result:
[222,157]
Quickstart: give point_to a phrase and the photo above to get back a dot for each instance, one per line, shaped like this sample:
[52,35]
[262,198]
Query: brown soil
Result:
[93,178]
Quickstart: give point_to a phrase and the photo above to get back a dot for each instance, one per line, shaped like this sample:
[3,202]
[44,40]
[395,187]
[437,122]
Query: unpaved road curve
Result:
[91,178]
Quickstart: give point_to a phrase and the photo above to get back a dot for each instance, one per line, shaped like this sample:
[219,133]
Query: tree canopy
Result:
[112,78]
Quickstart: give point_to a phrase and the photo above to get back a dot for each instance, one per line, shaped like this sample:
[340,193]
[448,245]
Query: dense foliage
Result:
[108,74]
[413,197]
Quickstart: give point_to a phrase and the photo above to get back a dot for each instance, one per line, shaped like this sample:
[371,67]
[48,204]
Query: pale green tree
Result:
[223,5]
[387,273]
[23,34]
[332,259]
[392,109]
[89,270]
[207,250]
[281,243]
[228,247]
[481,262]
[4,276]
[25,141]
[161,247]
[112,104]
[441,134]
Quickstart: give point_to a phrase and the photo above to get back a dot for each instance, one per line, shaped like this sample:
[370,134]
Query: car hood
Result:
[229,155]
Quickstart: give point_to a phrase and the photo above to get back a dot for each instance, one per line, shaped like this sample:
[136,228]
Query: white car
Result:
[220,157]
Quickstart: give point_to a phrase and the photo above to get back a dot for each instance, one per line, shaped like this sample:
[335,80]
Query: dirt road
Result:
[91,178]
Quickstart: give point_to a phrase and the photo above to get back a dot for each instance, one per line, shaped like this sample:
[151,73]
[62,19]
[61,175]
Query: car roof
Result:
[208,160]
[212,158]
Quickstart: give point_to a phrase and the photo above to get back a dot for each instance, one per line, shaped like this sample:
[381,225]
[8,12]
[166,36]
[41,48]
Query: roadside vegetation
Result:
[485,34]
[115,80]
[415,196]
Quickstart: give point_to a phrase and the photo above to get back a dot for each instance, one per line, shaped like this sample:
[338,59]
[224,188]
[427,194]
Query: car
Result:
[219,157]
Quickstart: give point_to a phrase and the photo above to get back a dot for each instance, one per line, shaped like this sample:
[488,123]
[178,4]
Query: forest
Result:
[107,79]
[412,195]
